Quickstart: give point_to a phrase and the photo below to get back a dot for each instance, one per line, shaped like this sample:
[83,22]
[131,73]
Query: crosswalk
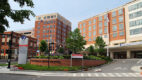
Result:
[97,75]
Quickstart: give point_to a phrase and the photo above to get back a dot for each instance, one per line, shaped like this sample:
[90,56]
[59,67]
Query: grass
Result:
[7,64]
[45,68]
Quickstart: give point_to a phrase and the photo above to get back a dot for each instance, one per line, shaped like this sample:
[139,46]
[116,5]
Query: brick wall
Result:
[66,62]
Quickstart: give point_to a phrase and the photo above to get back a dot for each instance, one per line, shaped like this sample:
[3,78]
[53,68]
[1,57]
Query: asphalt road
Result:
[119,66]
[27,77]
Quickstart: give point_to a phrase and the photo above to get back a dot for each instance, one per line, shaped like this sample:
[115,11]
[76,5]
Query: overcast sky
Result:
[73,10]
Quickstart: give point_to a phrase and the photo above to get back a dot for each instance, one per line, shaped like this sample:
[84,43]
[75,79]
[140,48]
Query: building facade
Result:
[4,45]
[52,28]
[27,32]
[120,28]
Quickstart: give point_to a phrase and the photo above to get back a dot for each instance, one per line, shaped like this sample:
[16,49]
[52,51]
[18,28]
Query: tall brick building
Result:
[123,32]
[52,28]
[4,44]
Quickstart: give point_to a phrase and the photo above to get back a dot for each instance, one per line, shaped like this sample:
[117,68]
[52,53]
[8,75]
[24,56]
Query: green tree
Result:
[60,50]
[43,47]
[100,45]
[75,41]
[16,15]
[91,50]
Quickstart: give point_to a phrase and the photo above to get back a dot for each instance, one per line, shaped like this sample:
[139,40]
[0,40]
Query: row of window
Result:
[121,19]
[48,26]
[135,6]
[136,31]
[121,27]
[120,34]
[135,14]
[120,12]
[135,23]
[47,17]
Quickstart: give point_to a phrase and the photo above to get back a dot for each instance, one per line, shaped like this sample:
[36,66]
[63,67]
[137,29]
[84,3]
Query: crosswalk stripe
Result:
[104,74]
[89,74]
[74,74]
[82,74]
[110,74]
[132,74]
[125,74]
[95,74]
[118,74]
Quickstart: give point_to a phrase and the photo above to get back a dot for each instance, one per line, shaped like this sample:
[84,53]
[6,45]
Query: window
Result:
[48,17]
[89,28]
[38,32]
[105,36]
[105,23]
[121,26]
[37,36]
[135,6]
[44,17]
[47,31]
[94,21]
[89,34]
[120,11]
[39,18]
[94,38]
[135,14]
[105,16]
[121,19]
[38,27]
[114,14]
[135,23]
[136,31]
[114,21]
[51,26]
[100,24]
[89,39]
[89,22]
[38,23]
[44,31]
[51,16]
[100,18]
[105,30]
[48,26]
[94,26]
[83,29]
[83,24]
[121,33]
[44,26]
[94,33]
[100,31]
[114,28]
[114,35]
[84,35]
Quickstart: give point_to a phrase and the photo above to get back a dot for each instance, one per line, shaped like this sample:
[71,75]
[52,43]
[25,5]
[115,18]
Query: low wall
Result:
[66,62]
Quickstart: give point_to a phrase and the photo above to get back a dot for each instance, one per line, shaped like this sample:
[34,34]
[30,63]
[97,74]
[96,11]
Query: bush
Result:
[108,59]
[91,57]
[51,57]
[67,56]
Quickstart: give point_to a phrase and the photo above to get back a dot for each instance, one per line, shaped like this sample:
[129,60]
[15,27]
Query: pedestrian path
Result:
[67,74]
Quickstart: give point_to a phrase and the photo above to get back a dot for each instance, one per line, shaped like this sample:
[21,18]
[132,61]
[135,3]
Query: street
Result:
[27,77]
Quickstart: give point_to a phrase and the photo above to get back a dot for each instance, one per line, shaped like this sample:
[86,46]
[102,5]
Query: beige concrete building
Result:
[121,29]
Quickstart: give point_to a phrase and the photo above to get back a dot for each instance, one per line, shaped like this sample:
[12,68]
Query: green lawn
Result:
[7,64]
[45,68]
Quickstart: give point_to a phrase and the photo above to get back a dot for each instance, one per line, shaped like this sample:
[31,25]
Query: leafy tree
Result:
[75,41]
[60,50]
[91,50]
[100,45]
[16,15]
[43,47]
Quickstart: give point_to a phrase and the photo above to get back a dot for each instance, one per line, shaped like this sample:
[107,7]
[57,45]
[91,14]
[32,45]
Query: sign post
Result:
[23,50]
[76,56]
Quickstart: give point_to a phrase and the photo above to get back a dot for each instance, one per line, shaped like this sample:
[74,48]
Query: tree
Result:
[43,47]
[60,50]
[91,50]
[100,45]
[75,42]
[16,15]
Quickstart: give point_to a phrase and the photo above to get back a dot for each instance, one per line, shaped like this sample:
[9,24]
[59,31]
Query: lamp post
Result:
[49,54]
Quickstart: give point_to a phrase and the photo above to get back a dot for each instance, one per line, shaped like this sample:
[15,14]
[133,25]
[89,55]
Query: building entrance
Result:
[120,55]
[137,54]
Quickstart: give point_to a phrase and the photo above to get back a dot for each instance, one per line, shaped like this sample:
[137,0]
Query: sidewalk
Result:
[68,74]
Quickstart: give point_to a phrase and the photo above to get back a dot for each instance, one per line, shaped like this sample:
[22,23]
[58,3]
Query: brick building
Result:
[52,28]
[120,28]
[4,44]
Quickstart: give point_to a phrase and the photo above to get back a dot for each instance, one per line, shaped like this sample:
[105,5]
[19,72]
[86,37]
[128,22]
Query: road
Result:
[26,77]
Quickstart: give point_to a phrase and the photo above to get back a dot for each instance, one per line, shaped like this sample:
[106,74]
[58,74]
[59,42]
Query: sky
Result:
[73,10]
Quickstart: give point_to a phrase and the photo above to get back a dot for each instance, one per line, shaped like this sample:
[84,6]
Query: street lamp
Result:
[49,54]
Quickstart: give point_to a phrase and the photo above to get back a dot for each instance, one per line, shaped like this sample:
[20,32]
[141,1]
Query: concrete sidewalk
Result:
[68,74]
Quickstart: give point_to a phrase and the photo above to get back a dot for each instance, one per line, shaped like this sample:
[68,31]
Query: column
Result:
[111,55]
[128,54]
